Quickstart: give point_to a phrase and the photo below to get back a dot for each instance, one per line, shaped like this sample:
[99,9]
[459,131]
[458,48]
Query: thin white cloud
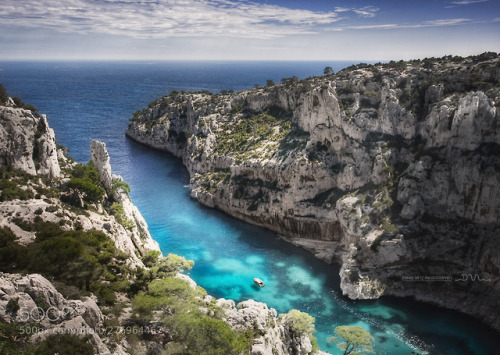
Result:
[166,18]
[467,2]
[342,9]
[446,22]
[367,11]
[433,23]
[464,2]
[373,27]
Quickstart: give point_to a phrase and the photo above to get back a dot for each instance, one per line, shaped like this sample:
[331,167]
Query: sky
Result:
[246,29]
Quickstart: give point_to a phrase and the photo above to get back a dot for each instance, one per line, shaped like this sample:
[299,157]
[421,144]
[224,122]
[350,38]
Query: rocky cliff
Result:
[76,225]
[391,170]
[27,142]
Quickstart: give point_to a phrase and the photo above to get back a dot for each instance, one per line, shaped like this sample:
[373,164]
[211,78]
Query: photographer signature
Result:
[475,277]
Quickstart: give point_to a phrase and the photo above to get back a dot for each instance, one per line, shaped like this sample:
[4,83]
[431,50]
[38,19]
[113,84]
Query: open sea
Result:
[94,100]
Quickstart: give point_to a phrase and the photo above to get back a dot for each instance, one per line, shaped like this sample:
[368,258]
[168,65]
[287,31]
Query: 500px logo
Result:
[53,314]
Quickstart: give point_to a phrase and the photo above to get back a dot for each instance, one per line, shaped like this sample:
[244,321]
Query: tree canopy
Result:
[328,71]
[353,340]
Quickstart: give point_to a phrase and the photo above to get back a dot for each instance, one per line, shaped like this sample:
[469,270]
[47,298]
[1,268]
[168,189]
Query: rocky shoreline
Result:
[35,171]
[389,170]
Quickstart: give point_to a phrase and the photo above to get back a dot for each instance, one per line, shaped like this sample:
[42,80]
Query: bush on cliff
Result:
[93,192]
[11,191]
[19,103]
[88,260]
[117,210]
[85,178]
[177,304]
[158,268]
[63,344]
[3,95]
[14,340]
[117,185]
[301,324]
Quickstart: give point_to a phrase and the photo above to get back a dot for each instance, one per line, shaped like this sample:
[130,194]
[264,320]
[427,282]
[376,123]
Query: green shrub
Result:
[88,260]
[10,250]
[87,171]
[120,185]
[208,336]
[106,296]
[64,344]
[159,267]
[171,264]
[13,338]
[93,192]
[389,227]
[249,132]
[197,332]
[117,210]
[11,190]
[19,103]
[85,178]
[401,65]
[13,306]
[151,257]
[301,323]
[169,292]
[3,95]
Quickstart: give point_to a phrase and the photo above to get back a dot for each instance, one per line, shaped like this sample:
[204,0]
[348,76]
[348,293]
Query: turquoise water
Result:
[87,101]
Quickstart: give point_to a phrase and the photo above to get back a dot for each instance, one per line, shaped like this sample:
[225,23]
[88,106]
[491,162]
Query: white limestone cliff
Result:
[390,172]
[139,233]
[57,316]
[27,142]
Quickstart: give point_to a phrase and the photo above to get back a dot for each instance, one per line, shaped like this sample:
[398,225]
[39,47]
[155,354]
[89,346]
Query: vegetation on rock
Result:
[372,157]
[3,95]
[86,179]
[353,340]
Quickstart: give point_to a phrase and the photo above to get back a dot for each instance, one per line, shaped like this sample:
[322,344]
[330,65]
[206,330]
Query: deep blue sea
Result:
[94,100]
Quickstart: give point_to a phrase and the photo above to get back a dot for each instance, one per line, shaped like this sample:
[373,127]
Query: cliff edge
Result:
[80,272]
[391,170]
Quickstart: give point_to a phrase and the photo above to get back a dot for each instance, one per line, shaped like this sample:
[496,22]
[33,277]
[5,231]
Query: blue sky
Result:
[246,29]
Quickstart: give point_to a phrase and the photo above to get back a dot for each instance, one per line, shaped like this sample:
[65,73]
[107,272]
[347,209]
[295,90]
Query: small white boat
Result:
[259,282]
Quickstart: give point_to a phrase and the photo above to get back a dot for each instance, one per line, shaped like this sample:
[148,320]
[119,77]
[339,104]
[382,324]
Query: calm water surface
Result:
[85,101]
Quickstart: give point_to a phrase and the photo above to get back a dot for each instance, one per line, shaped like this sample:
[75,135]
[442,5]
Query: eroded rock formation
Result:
[33,301]
[27,142]
[390,170]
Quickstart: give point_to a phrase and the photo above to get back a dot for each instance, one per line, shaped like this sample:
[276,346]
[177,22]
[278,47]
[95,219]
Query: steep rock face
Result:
[139,233]
[27,142]
[277,336]
[100,158]
[32,299]
[390,170]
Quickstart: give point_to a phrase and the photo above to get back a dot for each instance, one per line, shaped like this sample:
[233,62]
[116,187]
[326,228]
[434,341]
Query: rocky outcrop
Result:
[139,232]
[33,299]
[390,170]
[277,336]
[27,142]
[100,159]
